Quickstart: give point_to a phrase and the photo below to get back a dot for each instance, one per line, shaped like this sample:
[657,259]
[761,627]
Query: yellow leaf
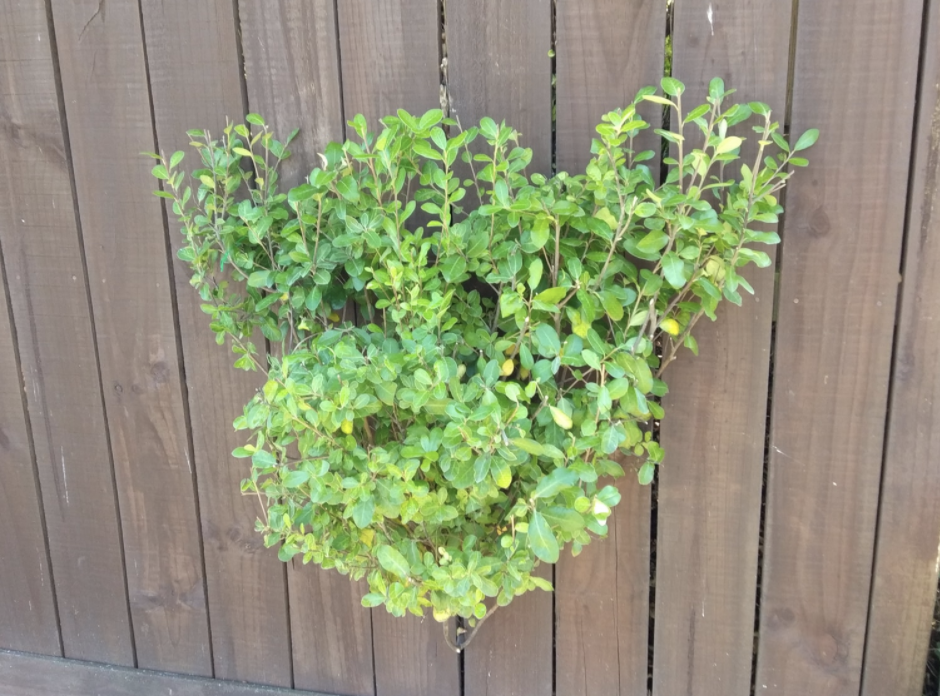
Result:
[334,317]
[608,217]
[561,418]
[507,368]
[346,426]
[670,326]
[366,536]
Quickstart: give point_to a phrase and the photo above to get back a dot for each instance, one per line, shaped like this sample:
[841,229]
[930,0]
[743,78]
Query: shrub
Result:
[461,353]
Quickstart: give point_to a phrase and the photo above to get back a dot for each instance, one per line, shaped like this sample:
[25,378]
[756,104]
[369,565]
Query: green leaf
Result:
[547,340]
[530,446]
[656,99]
[362,512]
[728,144]
[562,419]
[373,599]
[254,119]
[259,279]
[674,270]
[672,86]
[645,474]
[564,518]
[591,358]
[160,172]
[430,119]
[535,273]
[176,158]
[612,306]
[551,296]
[541,540]
[348,189]
[295,479]
[644,210]
[392,560]
[556,481]
[653,242]
[385,391]
[808,139]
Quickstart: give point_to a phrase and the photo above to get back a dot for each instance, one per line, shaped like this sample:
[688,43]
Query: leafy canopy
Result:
[462,352]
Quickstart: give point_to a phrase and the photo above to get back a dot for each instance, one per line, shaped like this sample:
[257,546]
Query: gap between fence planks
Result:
[606,50]
[49,298]
[193,61]
[715,423]
[837,298]
[105,88]
[904,590]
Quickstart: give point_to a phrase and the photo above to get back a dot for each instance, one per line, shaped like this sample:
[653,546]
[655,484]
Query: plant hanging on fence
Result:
[446,398]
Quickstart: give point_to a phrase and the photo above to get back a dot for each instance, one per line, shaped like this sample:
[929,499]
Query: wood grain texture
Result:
[27,605]
[512,655]
[247,586]
[105,87]
[837,299]
[498,66]
[715,424]
[606,50]
[602,604]
[905,581]
[390,57]
[293,80]
[390,53]
[412,658]
[42,255]
[30,675]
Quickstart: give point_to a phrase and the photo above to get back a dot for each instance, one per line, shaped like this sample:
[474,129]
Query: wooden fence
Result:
[789,545]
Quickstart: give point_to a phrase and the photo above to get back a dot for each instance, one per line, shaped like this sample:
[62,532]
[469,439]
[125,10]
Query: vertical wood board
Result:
[606,50]
[42,256]
[837,299]
[904,590]
[106,92]
[247,590]
[715,423]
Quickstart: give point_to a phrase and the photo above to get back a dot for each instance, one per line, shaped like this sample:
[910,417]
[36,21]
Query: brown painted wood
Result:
[512,654]
[42,255]
[30,675]
[498,66]
[605,51]
[905,576]
[291,64]
[27,606]
[246,584]
[412,657]
[837,299]
[390,57]
[390,53]
[105,87]
[715,424]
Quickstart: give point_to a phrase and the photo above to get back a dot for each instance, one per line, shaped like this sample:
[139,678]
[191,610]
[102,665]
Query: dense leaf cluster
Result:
[461,352]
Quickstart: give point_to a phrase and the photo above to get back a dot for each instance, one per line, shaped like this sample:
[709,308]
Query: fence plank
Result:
[291,56]
[27,607]
[498,66]
[246,584]
[30,675]
[715,424]
[606,50]
[58,356]
[838,286]
[390,52]
[905,576]
[105,87]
